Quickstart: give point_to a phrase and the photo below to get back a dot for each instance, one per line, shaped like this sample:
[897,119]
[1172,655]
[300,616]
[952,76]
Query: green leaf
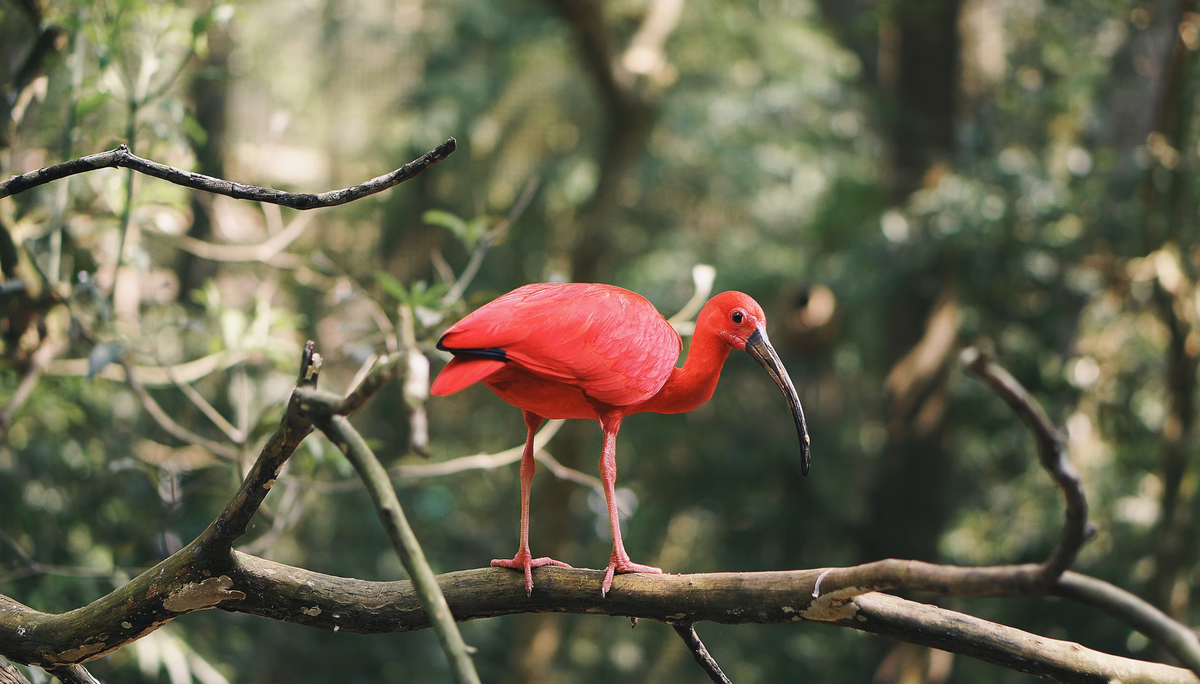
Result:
[194,130]
[477,228]
[90,103]
[392,286]
[454,224]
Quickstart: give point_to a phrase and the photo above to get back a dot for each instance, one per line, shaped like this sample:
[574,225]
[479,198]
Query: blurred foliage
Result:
[1060,223]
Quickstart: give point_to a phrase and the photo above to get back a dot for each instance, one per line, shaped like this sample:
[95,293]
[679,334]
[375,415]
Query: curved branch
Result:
[1060,661]
[1177,639]
[1052,453]
[122,157]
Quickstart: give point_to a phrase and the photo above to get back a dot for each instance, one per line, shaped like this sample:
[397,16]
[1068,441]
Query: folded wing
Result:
[609,342]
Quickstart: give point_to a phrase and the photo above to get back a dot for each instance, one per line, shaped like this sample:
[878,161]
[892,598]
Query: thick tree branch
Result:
[122,157]
[1178,640]
[260,587]
[1060,661]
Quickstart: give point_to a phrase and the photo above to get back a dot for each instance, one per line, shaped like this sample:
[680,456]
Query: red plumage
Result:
[578,350]
[608,343]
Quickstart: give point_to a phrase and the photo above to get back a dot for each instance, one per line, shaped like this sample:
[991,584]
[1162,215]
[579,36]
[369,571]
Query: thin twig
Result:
[383,494]
[122,157]
[167,423]
[454,465]
[687,632]
[456,290]
[153,376]
[18,549]
[235,435]
[40,361]
[703,277]
[1052,453]
[264,251]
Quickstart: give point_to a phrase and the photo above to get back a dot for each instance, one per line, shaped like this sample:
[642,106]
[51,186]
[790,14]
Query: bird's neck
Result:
[694,382]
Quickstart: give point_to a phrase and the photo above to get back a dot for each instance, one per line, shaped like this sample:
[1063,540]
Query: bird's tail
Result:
[463,371]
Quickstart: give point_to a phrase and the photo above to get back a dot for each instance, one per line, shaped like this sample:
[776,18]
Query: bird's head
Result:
[740,323]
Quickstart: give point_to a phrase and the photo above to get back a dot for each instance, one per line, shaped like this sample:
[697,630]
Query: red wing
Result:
[463,371]
[607,341]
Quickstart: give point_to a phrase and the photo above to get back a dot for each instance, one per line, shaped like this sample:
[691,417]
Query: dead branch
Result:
[1053,455]
[122,157]
[260,587]
[687,632]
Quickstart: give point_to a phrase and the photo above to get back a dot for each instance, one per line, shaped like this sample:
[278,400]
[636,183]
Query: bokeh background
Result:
[892,180]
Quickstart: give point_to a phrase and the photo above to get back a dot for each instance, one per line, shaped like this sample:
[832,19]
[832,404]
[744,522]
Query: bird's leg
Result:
[524,560]
[619,561]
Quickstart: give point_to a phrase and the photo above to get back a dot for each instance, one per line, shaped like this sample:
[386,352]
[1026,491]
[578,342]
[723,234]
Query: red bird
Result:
[577,350]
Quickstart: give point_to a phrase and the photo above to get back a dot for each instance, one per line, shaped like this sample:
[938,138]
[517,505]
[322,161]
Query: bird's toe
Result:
[623,566]
[526,564]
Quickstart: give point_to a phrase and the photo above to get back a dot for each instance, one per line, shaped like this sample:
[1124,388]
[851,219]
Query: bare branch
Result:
[122,157]
[10,674]
[73,674]
[168,423]
[456,290]
[703,277]
[1060,661]
[153,376]
[256,586]
[295,426]
[687,632]
[1177,639]
[265,251]
[235,435]
[40,361]
[339,430]
[1052,453]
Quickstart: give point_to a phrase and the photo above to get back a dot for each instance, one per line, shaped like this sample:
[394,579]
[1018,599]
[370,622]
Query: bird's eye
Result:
[737,317]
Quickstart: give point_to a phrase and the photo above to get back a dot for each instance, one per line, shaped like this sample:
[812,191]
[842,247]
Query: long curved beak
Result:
[758,346]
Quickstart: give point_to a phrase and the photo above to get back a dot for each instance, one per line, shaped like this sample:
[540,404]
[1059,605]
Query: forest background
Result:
[892,180]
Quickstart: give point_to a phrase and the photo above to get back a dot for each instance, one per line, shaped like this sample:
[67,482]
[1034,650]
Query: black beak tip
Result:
[805,457]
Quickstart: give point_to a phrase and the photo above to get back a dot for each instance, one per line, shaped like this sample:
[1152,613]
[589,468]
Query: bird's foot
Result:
[525,561]
[619,566]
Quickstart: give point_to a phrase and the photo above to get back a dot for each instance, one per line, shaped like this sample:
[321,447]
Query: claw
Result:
[524,561]
[620,566]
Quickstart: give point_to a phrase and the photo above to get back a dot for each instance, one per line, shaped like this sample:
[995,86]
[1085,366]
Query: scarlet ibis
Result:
[577,350]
